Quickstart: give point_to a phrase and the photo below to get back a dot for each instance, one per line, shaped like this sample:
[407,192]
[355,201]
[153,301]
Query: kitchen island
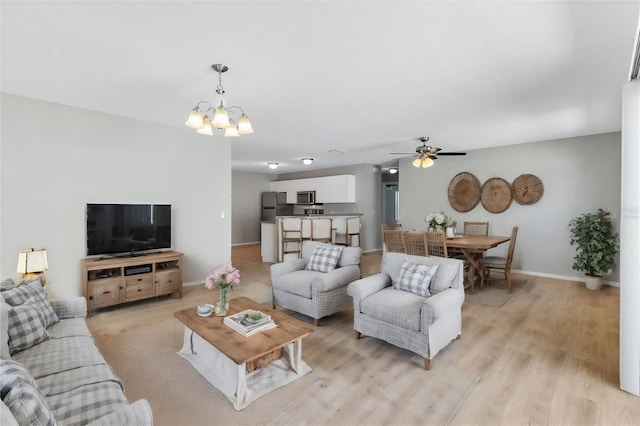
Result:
[270,233]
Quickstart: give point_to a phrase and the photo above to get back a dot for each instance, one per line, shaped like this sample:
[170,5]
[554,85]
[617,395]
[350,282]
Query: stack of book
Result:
[249,322]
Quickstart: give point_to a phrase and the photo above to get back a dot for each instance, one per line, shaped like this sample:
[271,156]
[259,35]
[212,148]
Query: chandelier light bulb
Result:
[427,162]
[195,120]
[231,131]
[273,166]
[221,118]
[206,128]
[244,125]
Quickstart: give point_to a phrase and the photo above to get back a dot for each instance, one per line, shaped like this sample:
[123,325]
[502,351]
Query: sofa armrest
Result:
[278,269]
[364,287]
[435,306]
[137,413]
[339,277]
[75,307]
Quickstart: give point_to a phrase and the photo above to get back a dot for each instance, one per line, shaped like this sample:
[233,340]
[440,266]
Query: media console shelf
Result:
[112,281]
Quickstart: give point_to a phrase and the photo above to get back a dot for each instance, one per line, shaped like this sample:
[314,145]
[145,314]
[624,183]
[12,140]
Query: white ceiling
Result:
[362,77]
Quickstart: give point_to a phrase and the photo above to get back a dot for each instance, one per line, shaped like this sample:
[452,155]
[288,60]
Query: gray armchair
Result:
[423,325]
[313,293]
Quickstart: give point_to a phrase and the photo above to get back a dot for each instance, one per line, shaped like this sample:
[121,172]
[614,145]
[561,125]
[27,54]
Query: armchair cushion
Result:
[415,278]
[297,282]
[443,278]
[400,308]
[324,259]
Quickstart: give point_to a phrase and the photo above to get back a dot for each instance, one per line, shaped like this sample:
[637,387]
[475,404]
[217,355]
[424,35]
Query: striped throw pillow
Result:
[415,278]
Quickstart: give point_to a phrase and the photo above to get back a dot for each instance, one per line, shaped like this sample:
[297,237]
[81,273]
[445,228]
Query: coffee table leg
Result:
[294,350]
[187,343]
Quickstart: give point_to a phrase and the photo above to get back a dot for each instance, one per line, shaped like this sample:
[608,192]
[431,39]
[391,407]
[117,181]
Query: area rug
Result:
[496,294]
[363,381]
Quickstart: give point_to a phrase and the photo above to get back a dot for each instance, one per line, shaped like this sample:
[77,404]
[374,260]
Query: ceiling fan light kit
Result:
[222,116]
[426,153]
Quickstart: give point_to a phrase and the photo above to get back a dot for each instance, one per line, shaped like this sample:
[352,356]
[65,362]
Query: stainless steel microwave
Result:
[306,197]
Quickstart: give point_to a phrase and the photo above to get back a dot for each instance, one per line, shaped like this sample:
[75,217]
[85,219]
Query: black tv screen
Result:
[122,228]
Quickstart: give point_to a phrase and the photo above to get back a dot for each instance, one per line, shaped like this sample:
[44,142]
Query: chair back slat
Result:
[476,228]
[512,246]
[437,244]
[393,241]
[415,243]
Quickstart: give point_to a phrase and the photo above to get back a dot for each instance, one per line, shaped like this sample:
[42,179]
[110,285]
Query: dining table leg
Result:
[472,257]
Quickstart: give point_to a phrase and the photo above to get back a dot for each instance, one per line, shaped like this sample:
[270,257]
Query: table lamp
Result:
[32,263]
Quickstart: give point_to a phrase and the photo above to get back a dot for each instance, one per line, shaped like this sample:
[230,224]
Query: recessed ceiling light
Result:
[306,161]
[273,165]
[393,170]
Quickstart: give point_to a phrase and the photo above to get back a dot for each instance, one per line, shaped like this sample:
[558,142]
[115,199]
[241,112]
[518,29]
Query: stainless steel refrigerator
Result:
[275,204]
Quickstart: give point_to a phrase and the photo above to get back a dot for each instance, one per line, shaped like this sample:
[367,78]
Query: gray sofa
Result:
[422,324]
[52,370]
[312,292]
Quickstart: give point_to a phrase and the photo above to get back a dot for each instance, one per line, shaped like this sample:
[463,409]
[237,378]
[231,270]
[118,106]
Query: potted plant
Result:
[597,243]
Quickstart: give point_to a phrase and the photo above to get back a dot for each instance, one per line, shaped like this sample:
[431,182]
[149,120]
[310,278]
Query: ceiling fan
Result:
[426,153]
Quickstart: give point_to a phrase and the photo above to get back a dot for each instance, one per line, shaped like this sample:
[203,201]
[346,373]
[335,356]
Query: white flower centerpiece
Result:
[440,222]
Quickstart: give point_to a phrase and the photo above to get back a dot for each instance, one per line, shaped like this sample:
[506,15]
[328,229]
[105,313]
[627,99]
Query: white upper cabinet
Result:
[329,189]
[336,189]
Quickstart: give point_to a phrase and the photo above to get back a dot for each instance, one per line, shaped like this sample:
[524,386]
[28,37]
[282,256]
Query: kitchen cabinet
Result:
[329,189]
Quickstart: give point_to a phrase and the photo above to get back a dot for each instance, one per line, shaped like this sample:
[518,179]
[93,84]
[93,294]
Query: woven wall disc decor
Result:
[495,195]
[464,192]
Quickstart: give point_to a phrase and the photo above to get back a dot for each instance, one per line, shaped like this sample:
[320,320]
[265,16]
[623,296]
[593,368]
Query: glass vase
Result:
[222,306]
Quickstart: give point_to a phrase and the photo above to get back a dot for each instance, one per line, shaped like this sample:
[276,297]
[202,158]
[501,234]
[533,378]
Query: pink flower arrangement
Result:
[223,278]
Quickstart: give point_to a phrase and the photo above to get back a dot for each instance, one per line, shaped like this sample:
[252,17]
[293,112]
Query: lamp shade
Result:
[206,128]
[195,119]
[231,131]
[221,118]
[244,125]
[33,260]
[416,162]
[427,162]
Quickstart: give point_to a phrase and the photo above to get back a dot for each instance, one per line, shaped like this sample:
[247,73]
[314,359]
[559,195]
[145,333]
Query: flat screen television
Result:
[127,228]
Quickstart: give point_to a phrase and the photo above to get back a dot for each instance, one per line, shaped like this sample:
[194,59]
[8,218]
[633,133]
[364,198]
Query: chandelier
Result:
[220,117]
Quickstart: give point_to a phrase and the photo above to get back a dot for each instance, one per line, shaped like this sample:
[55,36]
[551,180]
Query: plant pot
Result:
[593,282]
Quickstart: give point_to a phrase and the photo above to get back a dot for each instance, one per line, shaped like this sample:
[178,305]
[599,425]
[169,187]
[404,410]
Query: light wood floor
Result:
[548,356]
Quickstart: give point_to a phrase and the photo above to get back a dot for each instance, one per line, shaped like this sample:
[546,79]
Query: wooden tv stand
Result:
[115,280]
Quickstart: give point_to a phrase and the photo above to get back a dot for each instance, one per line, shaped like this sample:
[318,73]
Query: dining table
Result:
[473,246]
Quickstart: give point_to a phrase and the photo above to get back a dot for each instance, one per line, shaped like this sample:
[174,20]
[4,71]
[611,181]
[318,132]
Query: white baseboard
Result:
[561,277]
[201,282]
[245,244]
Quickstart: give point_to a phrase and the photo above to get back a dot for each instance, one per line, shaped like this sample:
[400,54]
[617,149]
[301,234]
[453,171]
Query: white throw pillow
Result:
[324,259]
[415,278]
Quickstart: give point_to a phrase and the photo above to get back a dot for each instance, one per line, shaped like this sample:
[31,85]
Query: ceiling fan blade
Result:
[402,153]
[452,153]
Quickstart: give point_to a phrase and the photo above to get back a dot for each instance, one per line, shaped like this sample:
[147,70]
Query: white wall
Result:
[247,205]
[55,159]
[579,175]
[630,242]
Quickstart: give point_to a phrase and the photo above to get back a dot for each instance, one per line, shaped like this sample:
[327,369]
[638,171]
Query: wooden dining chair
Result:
[321,229]
[393,241]
[476,228]
[353,230]
[437,243]
[501,263]
[290,234]
[415,243]
[391,227]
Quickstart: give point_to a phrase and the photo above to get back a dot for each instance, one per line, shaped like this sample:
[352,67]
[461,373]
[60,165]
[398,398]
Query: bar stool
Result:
[290,233]
[321,229]
[353,230]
